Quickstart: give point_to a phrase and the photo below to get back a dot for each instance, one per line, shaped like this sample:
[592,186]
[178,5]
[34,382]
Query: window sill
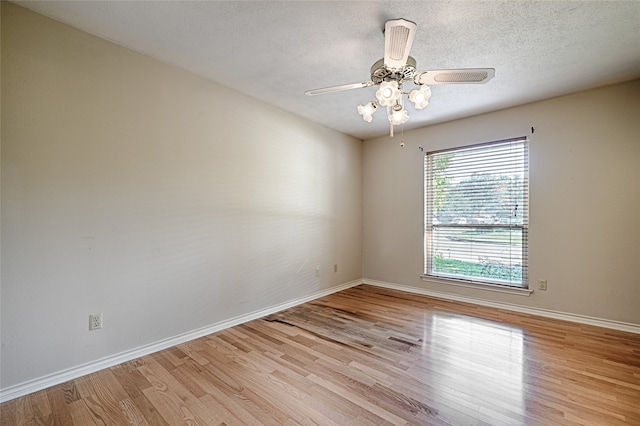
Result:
[468,284]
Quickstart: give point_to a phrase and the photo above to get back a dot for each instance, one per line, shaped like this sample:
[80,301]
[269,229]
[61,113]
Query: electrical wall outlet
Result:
[542,285]
[95,322]
[317,272]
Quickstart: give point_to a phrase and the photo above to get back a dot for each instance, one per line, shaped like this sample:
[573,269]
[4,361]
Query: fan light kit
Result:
[397,68]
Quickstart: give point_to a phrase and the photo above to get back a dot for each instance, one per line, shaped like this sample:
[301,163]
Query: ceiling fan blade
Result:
[459,76]
[398,38]
[339,88]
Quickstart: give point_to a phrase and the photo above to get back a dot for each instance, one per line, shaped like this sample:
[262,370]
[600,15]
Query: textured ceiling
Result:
[275,50]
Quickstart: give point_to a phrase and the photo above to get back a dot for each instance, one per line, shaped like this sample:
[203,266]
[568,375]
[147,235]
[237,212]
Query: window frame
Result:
[430,227]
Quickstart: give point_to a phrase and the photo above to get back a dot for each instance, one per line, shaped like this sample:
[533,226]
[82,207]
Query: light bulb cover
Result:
[398,115]
[388,93]
[366,111]
[420,98]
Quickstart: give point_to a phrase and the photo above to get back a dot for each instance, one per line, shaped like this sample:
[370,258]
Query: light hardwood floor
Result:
[365,356]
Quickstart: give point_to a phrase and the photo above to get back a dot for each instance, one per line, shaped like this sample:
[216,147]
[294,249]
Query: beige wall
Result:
[584,201]
[167,202]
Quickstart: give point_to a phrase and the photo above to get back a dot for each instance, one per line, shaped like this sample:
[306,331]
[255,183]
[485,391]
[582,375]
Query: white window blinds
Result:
[477,213]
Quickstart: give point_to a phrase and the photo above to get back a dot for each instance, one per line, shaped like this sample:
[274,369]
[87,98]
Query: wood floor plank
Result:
[33,407]
[81,414]
[148,411]
[60,414]
[169,387]
[365,356]
[132,413]
[9,412]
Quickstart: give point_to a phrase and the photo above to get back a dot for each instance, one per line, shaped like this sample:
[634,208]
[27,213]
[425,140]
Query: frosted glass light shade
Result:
[398,116]
[420,98]
[388,93]
[366,111]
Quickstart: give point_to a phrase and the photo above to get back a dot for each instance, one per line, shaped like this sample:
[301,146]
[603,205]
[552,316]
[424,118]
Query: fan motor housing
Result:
[380,73]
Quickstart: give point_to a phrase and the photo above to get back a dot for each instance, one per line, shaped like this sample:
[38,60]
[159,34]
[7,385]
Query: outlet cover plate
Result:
[95,322]
[542,285]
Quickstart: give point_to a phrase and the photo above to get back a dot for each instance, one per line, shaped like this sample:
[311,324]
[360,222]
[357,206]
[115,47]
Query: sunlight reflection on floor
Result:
[479,363]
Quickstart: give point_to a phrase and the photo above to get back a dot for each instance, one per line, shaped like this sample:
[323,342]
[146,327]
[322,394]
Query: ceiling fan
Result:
[397,68]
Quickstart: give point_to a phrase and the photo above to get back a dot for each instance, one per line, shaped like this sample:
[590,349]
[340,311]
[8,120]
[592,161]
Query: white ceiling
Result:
[275,50]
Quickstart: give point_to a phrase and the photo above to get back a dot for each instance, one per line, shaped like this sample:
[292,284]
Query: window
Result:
[477,213]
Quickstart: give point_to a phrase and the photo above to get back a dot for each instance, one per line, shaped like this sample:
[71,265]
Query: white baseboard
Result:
[59,377]
[582,319]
